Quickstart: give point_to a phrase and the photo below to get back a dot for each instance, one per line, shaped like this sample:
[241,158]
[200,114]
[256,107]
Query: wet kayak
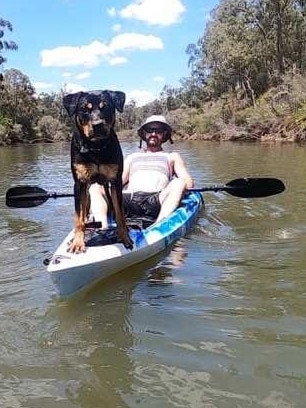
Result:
[104,256]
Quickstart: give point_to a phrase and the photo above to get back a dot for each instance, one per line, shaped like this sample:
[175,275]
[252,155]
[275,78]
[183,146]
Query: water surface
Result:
[217,322]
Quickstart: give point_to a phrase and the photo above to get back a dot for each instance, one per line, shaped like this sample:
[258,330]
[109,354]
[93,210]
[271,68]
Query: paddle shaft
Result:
[32,196]
[215,188]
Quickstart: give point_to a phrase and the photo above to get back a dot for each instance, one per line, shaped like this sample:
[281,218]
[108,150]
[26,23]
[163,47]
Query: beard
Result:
[153,141]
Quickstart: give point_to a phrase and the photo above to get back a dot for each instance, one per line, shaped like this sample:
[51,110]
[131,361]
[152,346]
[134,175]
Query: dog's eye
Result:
[101,105]
[85,116]
[89,106]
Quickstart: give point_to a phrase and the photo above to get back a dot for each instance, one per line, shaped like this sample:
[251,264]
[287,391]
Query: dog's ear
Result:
[71,102]
[118,99]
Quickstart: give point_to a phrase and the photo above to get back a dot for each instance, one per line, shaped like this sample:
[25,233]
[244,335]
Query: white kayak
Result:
[103,257]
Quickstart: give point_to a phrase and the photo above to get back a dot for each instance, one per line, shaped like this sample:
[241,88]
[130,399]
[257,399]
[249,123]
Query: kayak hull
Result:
[72,273]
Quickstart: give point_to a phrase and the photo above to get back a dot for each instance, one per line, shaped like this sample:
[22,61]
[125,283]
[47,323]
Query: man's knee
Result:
[96,189]
[174,189]
[177,185]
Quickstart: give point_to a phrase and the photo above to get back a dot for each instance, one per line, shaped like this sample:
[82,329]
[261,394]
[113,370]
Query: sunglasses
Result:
[154,130]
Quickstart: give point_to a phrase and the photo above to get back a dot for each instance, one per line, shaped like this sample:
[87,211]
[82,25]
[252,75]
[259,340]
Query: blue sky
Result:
[136,46]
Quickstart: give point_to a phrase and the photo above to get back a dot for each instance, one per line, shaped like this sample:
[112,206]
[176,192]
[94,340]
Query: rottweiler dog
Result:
[96,156]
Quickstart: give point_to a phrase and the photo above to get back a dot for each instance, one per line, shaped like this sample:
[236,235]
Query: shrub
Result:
[49,129]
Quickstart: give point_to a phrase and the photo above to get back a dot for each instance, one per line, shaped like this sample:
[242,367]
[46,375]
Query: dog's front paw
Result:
[127,241]
[77,244]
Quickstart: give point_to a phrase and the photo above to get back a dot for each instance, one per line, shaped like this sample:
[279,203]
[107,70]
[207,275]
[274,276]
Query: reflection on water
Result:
[162,273]
[217,321]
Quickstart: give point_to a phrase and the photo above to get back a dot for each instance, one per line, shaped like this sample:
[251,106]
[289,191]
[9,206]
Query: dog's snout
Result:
[96,117]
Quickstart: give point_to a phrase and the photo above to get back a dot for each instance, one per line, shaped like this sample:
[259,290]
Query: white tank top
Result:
[149,172]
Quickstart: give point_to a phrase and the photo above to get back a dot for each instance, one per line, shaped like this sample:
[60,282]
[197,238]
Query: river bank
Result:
[273,132]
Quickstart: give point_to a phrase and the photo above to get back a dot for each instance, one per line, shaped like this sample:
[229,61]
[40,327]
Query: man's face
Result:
[154,134]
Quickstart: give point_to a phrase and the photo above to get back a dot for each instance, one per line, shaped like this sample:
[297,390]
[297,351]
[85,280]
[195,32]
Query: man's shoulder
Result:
[174,155]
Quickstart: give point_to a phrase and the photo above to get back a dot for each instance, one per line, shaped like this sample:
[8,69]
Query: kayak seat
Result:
[139,222]
[96,237]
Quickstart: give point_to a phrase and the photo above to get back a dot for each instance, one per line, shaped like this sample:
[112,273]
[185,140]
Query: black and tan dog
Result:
[96,156]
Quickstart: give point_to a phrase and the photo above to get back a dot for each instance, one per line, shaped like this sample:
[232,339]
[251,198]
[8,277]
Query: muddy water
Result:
[218,322]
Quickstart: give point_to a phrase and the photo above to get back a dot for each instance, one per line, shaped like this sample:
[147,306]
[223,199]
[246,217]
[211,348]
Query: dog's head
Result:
[94,111]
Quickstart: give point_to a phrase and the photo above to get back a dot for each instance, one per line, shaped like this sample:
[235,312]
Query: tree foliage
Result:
[17,100]
[5,44]
[28,117]
[248,45]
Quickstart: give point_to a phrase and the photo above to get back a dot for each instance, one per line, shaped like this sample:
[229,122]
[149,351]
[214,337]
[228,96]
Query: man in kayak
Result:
[154,180]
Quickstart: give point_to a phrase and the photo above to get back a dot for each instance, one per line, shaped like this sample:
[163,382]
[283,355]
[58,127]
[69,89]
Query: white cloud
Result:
[116,28]
[134,41]
[140,97]
[65,56]
[117,60]
[72,88]
[154,12]
[83,75]
[111,12]
[90,55]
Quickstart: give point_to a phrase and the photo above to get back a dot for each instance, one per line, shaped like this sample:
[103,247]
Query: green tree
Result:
[18,101]
[231,52]
[4,44]
[249,45]
[50,129]
[127,119]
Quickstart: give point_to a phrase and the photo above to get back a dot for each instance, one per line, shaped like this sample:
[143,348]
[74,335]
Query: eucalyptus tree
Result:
[52,105]
[282,26]
[280,23]
[249,45]
[298,44]
[231,53]
[18,101]
[169,97]
[5,44]
[127,119]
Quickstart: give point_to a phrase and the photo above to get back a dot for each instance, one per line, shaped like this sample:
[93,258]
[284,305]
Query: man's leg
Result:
[170,197]
[98,204]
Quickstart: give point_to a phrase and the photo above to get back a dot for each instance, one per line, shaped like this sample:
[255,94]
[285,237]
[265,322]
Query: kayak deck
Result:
[104,256]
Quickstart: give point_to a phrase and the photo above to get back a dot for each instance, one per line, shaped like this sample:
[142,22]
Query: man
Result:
[155,181]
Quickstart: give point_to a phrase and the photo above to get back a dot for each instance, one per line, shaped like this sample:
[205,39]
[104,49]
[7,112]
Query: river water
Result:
[219,322]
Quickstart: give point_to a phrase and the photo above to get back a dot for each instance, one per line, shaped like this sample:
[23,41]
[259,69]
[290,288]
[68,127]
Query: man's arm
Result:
[180,170]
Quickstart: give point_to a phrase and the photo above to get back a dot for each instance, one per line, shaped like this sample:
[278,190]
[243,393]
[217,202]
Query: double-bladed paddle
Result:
[33,196]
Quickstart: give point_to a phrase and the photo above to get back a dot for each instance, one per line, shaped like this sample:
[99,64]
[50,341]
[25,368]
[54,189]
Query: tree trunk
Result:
[279,37]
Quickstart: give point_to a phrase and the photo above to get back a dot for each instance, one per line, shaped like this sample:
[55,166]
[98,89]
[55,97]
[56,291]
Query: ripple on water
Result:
[168,386]
[217,323]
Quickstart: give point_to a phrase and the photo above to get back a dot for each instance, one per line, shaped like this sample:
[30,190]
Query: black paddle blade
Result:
[254,187]
[25,196]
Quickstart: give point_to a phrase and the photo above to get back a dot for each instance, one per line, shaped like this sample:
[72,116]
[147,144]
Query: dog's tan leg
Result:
[123,235]
[77,245]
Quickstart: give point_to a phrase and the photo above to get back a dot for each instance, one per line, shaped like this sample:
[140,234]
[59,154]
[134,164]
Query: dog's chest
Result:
[86,172]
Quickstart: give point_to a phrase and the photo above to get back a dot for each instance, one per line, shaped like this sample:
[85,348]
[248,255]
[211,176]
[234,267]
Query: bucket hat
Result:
[156,118]
[159,119]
